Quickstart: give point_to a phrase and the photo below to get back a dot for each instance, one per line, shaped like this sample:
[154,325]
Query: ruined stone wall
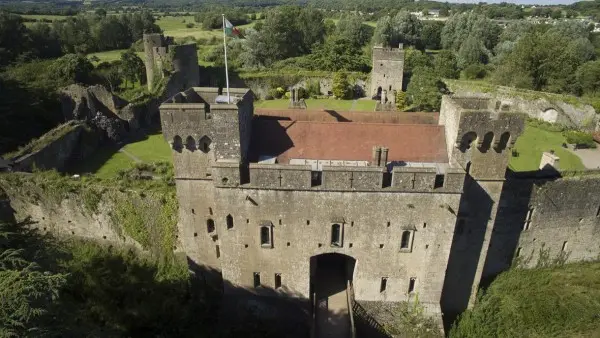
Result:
[546,221]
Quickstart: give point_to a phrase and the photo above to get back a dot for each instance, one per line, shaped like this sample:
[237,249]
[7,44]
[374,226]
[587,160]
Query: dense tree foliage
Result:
[77,34]
[479,34]
[213,19]
[402,28]
[425,90]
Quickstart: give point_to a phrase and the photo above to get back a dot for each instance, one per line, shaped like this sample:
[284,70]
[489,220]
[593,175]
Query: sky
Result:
[521,2]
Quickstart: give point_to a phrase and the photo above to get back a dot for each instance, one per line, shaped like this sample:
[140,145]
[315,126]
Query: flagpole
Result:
[226,71]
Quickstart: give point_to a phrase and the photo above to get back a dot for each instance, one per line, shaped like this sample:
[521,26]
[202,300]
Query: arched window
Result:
[487,142]
[204,144]
[336,235]
[467,140]
[405,242]
[229,221]
[190,143]
[210,225]
[504,138]
[265,237]
[177,143]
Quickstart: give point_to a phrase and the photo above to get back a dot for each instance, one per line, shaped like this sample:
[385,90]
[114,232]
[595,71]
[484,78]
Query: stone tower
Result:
[163,56]
[387,72]
[479,135]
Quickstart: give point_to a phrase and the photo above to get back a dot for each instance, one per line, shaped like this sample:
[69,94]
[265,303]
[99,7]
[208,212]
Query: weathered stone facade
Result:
[386,75]
[451,211]
[163,55]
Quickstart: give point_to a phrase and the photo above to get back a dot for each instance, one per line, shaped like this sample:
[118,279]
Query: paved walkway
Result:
[589,157]
[333,318]
[130,155]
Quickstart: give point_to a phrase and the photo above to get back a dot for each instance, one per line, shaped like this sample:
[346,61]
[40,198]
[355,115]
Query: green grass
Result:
[176,27]
[111,55]
[533,142]
[341,105]
[562,301]
[108,161]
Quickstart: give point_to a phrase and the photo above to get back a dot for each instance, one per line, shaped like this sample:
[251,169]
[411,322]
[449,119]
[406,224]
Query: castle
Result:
[295,204]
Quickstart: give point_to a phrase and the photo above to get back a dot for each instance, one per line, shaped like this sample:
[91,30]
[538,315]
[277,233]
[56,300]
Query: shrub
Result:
[303,93]
[476,71]
[400,100]
[273,93]
[341,87]
[189,25]
[580,139]
[313,87]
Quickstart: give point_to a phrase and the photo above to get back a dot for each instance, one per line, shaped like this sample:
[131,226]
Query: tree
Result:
[425,90]
[444,64]
[12,37]
[402,28]
[401,100]
[414,58]
[460,27]
[44,42]
[341,87]
[588,77]
[72,68]
[472,52]
[27,291]
[339,53]
[556,14]
[132,67]
[351,28]
[431,35]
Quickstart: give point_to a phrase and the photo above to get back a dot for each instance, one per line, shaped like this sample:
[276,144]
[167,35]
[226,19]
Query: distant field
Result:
[107,162]
[533,142]
[111,55]
[175,26]
[43,17]
[341,105]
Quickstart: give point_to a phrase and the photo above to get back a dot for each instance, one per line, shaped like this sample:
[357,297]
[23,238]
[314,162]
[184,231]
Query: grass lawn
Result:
[175,26]
[107,162]
[111,55]
[562,301]
[341,105]
[533,142]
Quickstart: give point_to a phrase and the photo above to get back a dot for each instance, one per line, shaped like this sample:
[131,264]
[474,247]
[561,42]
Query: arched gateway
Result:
[330,275]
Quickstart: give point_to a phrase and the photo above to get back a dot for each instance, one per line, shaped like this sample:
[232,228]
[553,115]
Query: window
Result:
[210,225]
[439,181]
[528,217]
[405,242]
[518,253]
[504,138]
[466,141]
[265,236]
[177,143]
[229,221]
[218,251]
[256,279]
[411,284]
[204,144]
[190,143]
[336,235]
[487,142]
[383,284]
[316,178]
[564,247]
[277,280]
[598,212]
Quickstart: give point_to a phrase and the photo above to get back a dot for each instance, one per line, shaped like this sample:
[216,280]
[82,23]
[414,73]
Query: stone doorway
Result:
[330,274]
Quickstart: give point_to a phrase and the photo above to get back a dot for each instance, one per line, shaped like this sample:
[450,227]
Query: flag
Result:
[230,30]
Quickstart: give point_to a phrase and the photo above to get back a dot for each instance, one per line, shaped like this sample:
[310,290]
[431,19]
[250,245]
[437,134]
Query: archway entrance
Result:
[329,276]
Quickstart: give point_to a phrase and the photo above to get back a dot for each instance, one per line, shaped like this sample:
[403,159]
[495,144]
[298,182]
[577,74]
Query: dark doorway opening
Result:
[329,277]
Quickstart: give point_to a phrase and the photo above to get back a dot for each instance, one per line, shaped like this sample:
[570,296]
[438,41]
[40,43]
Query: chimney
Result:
[384,156]
[549,161]
[376,156]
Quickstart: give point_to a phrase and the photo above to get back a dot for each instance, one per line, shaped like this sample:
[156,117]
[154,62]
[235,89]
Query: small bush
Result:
[189,25]
[580,139]
[473,72]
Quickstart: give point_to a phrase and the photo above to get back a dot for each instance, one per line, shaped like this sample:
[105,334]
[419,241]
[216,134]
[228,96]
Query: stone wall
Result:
[59,148]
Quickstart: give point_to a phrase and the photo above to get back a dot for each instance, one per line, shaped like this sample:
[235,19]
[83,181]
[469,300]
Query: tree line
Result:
[77,34]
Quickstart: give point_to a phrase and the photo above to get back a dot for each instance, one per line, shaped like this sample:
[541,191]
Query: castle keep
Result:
[162,55]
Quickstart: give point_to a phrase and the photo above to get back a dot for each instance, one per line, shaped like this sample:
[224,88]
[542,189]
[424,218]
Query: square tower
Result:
[387,71]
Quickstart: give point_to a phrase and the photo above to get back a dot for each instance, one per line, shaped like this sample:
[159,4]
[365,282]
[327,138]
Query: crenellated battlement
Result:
[335,178]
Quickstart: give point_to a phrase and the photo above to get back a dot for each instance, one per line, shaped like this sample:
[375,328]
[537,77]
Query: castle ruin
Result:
[387,75]
[163,56]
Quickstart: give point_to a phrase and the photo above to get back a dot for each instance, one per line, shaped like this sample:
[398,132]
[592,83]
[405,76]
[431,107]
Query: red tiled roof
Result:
[345,116]
[349,141]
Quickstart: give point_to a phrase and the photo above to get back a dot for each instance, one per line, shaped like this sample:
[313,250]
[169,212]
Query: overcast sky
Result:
[525,2]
